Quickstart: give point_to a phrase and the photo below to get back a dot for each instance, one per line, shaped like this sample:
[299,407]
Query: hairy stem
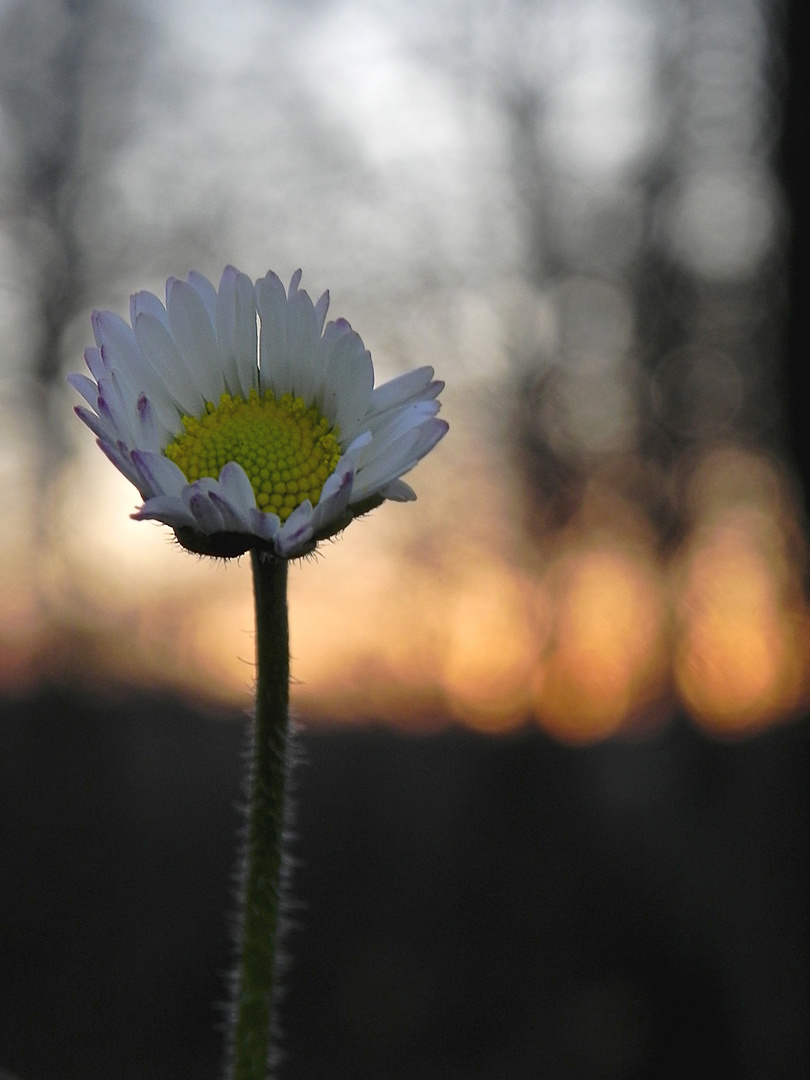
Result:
[252,1019]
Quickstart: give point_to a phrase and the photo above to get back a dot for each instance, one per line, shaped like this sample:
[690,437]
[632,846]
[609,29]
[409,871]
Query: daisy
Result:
[242,437]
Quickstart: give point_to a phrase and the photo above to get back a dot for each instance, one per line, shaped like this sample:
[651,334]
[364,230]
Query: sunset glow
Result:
[599,636]
[741,655]
[607,654]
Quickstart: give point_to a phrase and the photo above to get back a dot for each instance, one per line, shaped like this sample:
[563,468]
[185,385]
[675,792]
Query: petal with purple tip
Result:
[206,515]
[232,519]
[236,486]
[169,510]
[162,475]
[160,350]
[265,526]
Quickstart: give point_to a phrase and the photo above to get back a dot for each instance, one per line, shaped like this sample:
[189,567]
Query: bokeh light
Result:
[608,656]
[742,648]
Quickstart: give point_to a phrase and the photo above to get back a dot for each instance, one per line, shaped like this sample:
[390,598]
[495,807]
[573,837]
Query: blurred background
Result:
[553,809]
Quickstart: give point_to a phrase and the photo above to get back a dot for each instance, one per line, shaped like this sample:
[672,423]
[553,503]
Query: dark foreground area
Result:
[468,908]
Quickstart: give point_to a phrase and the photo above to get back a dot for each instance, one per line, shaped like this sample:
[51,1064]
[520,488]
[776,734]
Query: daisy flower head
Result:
[244,421]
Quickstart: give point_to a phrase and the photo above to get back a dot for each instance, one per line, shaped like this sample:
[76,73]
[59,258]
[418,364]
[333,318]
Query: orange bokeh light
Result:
[497,629]
[741,655]
[608,655]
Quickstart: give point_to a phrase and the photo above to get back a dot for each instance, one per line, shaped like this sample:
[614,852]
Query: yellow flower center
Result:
[286,449]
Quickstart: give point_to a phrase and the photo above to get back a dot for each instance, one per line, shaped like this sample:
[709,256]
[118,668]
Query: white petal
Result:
[306,359]
[348,384]
[271,302]
[321,309]
[119,351]
[295,281]
[398,491]
[388,425]
[384,468]
[236,331]
[235,486]
[399,424]
[232,518]
[114,427]
[161,474]
[206,515]
[336,495]
[150,433]
[146,303]
[206,292]
[170,510]
[110,329]
[206,484]
[360,442]
[337,491]
[332,336]
[100,427]
[120,391]
[118,398]
[193,334]
[297,530]
[120,458]
[95,363]
[86,387]
[265,526]
[401,389]
[399,458]
[160,350]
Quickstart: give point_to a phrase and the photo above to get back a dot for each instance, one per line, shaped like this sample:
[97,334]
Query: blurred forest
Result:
[593,219]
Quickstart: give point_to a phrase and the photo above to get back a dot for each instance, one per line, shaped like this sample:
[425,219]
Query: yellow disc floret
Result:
[286,449]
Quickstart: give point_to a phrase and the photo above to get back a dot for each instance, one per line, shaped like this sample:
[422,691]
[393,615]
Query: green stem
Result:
[253,1003]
